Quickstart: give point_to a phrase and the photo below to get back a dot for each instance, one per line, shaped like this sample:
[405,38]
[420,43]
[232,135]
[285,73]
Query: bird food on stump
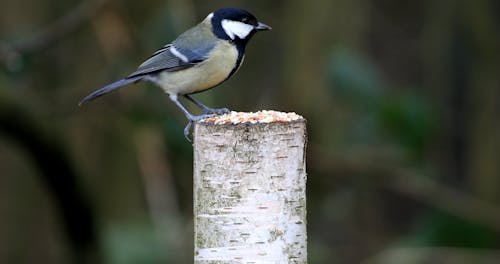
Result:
[249,188]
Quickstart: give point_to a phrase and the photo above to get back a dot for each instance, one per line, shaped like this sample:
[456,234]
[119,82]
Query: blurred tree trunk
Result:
[481,24]
[313,31]
[60,179]
[461,62]
[439,77]
[308,33]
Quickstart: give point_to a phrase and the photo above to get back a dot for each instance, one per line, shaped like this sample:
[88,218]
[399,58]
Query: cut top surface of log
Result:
[260,117]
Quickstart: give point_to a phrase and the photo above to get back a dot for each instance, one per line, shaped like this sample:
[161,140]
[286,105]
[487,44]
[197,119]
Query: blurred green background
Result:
[402,100]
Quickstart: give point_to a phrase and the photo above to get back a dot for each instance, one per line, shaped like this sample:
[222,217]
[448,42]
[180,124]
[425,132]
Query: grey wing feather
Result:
[195,45]
[161,60]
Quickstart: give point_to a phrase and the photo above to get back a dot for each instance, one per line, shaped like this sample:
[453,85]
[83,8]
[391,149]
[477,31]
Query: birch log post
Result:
[249,189]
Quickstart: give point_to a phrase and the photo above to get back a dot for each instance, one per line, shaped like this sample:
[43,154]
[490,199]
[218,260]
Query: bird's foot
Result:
[217,111]
[197,118]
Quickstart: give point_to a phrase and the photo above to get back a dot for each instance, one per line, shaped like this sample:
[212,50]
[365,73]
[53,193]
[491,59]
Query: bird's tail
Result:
[108,88]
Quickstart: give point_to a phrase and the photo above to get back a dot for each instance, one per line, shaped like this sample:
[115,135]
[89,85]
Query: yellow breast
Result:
[204,75]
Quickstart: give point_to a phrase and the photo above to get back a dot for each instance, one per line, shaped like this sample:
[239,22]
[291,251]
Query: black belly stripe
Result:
[241,54]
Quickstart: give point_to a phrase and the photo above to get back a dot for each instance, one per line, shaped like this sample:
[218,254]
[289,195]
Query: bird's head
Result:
[235,24]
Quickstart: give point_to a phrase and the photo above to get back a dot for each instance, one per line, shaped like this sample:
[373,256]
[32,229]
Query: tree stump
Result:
[249,188]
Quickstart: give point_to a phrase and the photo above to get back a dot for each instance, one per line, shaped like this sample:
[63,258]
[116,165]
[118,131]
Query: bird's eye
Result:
[244,20]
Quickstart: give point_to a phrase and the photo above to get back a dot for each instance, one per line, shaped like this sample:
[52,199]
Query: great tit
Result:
[199,59]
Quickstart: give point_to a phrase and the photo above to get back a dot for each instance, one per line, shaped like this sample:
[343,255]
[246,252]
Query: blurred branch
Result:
[441,196]
[384,173]
[11,54]
[442,255]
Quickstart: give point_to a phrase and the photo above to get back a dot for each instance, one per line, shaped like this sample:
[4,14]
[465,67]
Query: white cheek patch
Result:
[236,28]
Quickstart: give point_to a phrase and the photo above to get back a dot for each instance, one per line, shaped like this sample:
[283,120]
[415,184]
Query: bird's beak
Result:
[262,27]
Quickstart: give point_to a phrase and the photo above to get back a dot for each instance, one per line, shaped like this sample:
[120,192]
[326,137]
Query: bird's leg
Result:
[189,116]
[205,109]
[192,118]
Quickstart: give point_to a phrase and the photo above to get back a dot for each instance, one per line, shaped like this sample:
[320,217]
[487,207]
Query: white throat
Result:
[236,28]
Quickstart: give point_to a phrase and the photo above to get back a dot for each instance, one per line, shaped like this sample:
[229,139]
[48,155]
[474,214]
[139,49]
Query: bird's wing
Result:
[163,59]
[191,48]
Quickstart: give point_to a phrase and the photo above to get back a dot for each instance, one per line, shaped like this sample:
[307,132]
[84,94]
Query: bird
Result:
[199,59]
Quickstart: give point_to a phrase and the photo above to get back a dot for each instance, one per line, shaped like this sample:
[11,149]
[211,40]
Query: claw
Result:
[193,119]
[200,117]
[187,130]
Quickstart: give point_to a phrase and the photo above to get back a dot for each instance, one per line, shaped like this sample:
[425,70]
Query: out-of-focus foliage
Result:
[402,100]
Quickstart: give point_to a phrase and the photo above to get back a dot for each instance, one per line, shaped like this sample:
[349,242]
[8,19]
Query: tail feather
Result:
[108,88]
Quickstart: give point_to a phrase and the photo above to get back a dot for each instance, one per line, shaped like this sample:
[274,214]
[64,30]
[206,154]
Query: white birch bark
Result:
[249,193]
